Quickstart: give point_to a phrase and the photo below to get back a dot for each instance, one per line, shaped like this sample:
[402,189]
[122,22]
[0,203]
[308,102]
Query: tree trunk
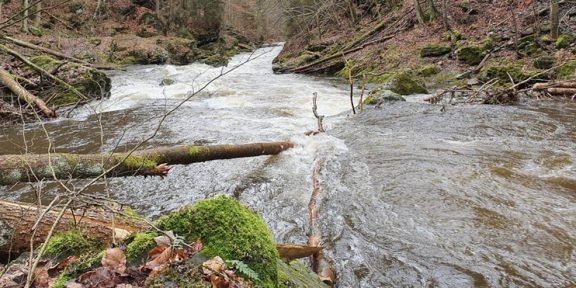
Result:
[419,12]
[17,221]
[445,15]
[554,19]
[151,162]
[23,94]
[1,13]
[38,15]
[25,6]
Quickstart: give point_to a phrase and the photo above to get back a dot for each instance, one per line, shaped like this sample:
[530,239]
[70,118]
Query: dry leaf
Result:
[115,260]
[102,277]
[41,277]
[214,265]
[155,252]
[197,246]
[218,281]
[162,259]
[54,270]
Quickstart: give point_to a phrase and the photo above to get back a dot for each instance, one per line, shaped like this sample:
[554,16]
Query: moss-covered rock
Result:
[428,70]
[567,72]
[295,274]
[380,95]
[404,84]
[68,243]
[563,41]
[434,50]
[471,55]
[139,246]
[505,72]
[229,230]
[544,62]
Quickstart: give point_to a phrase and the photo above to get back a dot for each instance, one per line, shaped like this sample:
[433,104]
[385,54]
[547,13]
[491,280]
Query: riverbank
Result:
[71,45]
[494,43]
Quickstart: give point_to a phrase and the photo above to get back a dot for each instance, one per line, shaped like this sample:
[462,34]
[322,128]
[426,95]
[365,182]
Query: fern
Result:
[243,269]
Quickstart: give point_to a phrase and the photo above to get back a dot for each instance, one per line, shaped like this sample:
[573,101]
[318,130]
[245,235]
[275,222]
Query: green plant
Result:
[243,269]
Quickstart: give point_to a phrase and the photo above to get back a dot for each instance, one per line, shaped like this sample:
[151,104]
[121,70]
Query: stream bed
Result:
[411,196]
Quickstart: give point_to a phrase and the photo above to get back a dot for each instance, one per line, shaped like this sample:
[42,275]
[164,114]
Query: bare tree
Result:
[37,16]
[445,15]
[554,19]
[25,7]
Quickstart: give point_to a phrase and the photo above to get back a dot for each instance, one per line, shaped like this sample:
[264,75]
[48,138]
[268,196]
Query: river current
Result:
[411,195]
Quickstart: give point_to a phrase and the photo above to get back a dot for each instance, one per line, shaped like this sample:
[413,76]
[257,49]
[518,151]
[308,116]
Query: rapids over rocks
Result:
[475,196]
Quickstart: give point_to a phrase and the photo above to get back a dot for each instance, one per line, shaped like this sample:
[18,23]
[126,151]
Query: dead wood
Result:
[18,220]
[43,72]
[296,251]
[149,162]
[23,94]
[57,54]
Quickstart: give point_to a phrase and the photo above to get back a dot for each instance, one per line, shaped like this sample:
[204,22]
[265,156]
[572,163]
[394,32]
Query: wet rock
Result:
[380,95]
[434,50]
[404,84]
[166,82]
[471,55]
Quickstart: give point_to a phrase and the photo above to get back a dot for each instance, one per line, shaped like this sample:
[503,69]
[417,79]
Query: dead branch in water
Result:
[320,118]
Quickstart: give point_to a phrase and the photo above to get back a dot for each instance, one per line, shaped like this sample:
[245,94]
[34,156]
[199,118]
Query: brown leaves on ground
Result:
[217,273]
[115,274]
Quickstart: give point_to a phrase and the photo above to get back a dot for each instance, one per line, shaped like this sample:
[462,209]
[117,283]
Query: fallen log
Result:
[19,220]
[43,72]
[544,86]
[23,94]
[57,54]
[149,162]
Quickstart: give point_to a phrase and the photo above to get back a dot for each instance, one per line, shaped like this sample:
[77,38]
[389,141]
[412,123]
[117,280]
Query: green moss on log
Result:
[137,162]
[229,230]
[194,151]
[67,243]
[434,50]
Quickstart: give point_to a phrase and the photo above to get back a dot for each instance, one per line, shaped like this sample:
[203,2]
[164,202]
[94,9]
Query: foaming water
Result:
[476,196]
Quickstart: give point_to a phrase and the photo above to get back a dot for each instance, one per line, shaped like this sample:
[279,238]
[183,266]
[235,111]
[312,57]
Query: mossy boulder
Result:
[563,41]
[434,50]
[471,55]
[505,72]
[428,70]
[544,62]
[229,230]
[380,95]
[404,84]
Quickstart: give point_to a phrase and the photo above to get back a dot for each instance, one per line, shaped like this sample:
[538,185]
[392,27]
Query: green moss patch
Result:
[471,55]
[568,71]
[296,274]
[68,243]
[229,230]
[404,84]
[563,41]
[428,70]
[44,62]
[544,62]
[141,244]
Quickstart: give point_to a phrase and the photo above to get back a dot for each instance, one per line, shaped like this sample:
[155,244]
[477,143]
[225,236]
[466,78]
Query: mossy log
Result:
[18,220]
[57,54]
[150,162]
[43,72]
[23,94]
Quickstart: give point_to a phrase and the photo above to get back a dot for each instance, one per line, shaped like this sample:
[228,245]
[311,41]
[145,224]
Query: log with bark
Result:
[7,80]
[567,88]
[19,220]
[149,162]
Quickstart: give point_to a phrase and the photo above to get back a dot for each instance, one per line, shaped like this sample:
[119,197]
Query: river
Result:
[411,196]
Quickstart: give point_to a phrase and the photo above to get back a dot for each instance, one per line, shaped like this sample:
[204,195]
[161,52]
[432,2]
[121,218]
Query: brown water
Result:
[476,196]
